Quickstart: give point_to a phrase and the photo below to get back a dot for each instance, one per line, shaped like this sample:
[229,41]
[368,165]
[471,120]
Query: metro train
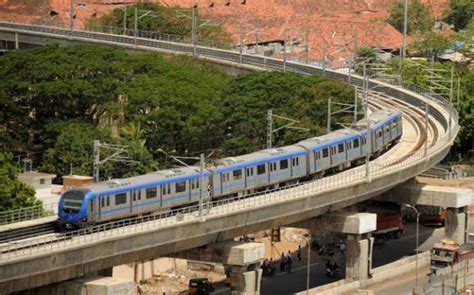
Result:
[254,172]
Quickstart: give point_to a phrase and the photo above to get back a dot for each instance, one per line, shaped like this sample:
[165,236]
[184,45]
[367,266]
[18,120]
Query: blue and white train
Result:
[266,169]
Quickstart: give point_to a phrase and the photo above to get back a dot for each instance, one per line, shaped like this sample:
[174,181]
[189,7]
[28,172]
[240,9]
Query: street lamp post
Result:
[417,237]
[308,240]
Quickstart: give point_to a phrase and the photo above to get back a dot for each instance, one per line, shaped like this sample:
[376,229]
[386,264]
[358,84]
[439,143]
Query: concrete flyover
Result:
[46,260]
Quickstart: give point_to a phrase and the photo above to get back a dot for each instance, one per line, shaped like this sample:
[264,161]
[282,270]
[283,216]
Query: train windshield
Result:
[72,200]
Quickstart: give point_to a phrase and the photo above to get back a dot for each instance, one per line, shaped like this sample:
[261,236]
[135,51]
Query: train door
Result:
[91,213]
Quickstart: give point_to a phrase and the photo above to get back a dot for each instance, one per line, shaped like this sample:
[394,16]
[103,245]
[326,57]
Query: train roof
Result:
[256,158]
[158,177]
[326,140]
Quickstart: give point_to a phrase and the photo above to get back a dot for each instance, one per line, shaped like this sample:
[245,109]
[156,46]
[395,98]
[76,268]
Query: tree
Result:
[174,21]
[460,13]
[419,17]
[14,194]
[431,44]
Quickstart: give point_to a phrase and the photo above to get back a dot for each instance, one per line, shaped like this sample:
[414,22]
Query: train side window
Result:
[108,201]
[197,183]
[102,201]
[274,166]
[192,184]
[297,161]
[139,194]
[237,174]
[260,169]
[271,166]
[120,199]
[325,153]
[169,188]
[283,164]
[180,187]
[163,188]
[134,195]
[356,143]
[379,133]
[340,148]
[151,192]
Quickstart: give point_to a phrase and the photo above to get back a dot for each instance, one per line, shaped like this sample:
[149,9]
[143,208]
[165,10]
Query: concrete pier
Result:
[357,227]
[244,260]
[455,200]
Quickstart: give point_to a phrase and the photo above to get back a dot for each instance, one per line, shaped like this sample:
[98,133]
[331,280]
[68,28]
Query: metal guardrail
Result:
[215,208]
[212,209]
[28,213]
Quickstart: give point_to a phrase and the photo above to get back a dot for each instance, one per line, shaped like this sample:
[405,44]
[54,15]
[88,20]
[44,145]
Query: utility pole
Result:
[328,128]
[306,47]
[284,50]
[201,182]
[135,26]
[366,92]
[71,11]
[96,160]
[256,36]
[355,106]
[241,49]
[405,25]
[194,28]
[426,130]
[269,128]
[125,18]
[324,57]
[117,151]
[451,92]
[458,94]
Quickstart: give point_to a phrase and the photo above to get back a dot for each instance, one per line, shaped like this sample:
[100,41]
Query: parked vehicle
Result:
[432,214]
[447,253]
[389,226]
[200,286]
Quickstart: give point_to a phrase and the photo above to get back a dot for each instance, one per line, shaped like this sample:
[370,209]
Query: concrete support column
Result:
[17,42]
[358,257]
[456,224]
[244,281]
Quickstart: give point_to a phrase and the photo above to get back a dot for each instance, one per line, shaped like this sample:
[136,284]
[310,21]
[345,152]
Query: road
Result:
[284,283]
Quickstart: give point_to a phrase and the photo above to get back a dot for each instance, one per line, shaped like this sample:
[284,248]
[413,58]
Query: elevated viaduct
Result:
[50,259]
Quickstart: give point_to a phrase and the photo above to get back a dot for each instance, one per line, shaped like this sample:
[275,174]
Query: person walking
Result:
[342,247]
[282,262]
[289,261]
[298,253]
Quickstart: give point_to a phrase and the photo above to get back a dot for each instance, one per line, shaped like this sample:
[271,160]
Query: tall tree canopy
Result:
[460,13]
[175,21]
[419,17]
[14,194]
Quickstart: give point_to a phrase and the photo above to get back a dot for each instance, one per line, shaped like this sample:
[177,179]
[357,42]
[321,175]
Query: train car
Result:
[120,198]
[262,169]
[266,169]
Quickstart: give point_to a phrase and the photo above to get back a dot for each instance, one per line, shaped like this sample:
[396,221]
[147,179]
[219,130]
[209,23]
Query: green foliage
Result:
[302,98]
[56,101]
[460,13]
[366,53]
[431,44]
[419,17]
[14,194]
[166,20]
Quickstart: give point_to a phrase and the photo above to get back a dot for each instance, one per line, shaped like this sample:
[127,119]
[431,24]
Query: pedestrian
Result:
[342,247]
[298,253]
[282,262]
[289,261]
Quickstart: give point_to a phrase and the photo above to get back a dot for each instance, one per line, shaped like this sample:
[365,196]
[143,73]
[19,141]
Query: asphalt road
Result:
[392,250]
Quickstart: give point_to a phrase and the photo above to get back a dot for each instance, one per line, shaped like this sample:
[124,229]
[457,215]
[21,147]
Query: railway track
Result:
[28,232]
[35,233]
